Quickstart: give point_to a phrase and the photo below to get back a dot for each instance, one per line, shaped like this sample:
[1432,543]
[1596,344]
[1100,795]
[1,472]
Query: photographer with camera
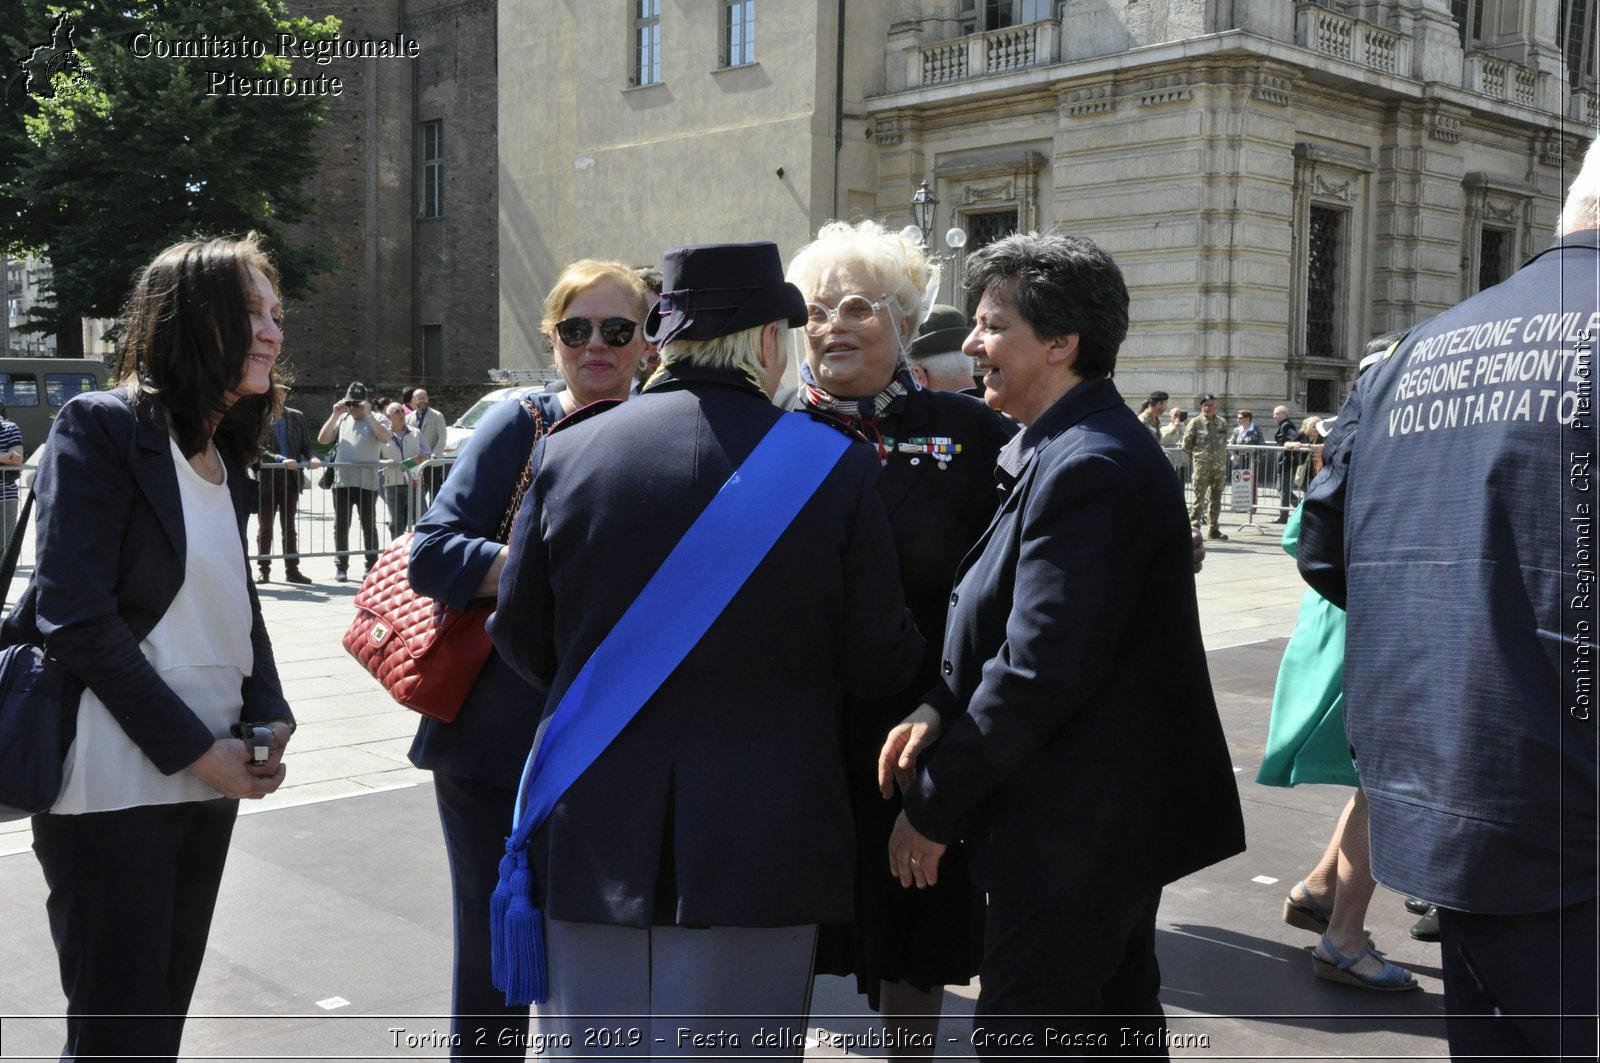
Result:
[357,475]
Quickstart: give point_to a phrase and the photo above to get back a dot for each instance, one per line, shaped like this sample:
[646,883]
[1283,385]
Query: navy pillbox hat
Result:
[713,290]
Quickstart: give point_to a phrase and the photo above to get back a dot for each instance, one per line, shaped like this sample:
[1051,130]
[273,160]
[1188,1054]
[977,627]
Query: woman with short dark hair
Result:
[140,590]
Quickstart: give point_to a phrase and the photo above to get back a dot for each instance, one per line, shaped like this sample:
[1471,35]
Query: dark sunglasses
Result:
[616,331]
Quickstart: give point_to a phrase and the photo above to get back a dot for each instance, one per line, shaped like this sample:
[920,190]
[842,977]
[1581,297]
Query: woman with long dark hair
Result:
[140,590]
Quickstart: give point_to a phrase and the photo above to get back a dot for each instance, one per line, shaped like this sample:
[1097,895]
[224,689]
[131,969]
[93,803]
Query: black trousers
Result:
[476,818]
[1519,986]
[278,492]
[1068,982]
[365,503]
[130,903]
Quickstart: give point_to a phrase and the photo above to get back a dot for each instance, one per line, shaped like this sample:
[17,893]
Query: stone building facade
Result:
[1281,181]
[405,205]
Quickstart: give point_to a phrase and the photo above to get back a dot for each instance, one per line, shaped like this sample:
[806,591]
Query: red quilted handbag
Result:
[425,653]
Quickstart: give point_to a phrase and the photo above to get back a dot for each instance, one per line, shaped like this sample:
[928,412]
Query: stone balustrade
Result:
[980,54]
[1352,40]
[1500,79]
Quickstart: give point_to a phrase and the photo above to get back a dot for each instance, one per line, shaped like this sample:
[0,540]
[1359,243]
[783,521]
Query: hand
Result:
[225,768]
[315,463]
[897,760]
[912,857]
[273,766]
[1198,544]
[290,464]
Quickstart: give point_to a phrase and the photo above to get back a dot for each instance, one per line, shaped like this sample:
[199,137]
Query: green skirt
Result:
[1306,742]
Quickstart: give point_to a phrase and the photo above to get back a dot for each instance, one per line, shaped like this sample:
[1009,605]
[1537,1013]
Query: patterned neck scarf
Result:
[862,414]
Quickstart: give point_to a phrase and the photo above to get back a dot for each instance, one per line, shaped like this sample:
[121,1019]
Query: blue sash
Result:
[688,592]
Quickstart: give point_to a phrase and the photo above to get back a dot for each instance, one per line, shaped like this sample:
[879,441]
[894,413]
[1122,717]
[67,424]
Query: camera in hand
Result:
[258,739]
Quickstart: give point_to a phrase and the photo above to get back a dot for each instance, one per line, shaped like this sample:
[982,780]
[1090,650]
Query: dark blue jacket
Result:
[722,803]
[109,561]
[453,547]
[1082,754]
[1455,520]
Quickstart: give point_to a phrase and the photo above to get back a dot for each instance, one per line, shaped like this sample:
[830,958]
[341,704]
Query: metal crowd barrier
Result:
[1260,489]
[392,509]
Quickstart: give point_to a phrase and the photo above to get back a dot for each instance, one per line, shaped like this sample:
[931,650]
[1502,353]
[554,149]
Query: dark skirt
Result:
[924,938]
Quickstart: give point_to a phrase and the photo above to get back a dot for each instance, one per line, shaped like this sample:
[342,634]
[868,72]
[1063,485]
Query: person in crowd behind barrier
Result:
[141,590]
[1283,434]
[1476,744]
[1313,430]
[360,438]
[864,289]
[1172,433]
[594,324]
[287,445]
[1151,410]
[671,891]
[1245,434]
[10,460]
[1081,787]
[936,359]
[1205,440]
[401,482]
[430,427]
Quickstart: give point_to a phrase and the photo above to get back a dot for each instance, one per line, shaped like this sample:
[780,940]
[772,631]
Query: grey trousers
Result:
[671,992]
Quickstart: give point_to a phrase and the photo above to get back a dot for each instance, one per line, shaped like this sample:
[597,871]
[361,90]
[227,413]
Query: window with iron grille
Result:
[1494,249]
[646,42]
[433,169]
[1319,394]
[1323,248]
[738,32]
[1575,33]
[989,226]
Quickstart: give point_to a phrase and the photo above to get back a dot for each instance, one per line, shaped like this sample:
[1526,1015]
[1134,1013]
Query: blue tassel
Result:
[499,901]
[523,952]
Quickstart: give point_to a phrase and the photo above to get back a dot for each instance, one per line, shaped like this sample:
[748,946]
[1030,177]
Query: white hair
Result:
[1582,210]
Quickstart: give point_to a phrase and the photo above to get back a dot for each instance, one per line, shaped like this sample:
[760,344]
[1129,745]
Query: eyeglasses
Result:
[854,313]
[615,331]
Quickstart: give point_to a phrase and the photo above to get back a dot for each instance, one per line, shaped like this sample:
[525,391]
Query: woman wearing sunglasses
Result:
[592,322]
[866,290]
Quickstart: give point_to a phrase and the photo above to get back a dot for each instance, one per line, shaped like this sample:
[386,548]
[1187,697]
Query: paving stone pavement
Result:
[332,935]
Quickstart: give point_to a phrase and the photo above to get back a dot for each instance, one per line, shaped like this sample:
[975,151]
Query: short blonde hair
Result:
[899,266]
[739,351]
[584,274]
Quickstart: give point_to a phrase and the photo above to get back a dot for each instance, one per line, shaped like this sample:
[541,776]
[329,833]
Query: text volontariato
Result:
[1533,368]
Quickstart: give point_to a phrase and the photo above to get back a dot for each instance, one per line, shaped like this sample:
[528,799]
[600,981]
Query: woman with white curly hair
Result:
[866,290]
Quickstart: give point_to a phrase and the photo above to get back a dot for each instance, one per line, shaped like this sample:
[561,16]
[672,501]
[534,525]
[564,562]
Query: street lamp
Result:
[924,206]
[925,212]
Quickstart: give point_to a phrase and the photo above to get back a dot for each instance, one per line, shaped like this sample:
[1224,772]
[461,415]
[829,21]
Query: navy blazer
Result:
[453,547]
[1071,774]
[734,763]
[1454,519]
[109,561]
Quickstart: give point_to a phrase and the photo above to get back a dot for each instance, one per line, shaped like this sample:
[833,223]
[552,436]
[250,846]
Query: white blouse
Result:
[200,647]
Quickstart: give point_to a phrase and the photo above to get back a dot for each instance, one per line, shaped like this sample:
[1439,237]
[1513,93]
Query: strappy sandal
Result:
[1391,978]
[1311,914]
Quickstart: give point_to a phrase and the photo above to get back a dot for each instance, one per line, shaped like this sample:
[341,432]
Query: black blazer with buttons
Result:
[110,560]
[1082,753]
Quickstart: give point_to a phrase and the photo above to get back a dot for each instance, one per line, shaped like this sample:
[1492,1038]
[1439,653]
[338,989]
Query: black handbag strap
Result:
[8,565]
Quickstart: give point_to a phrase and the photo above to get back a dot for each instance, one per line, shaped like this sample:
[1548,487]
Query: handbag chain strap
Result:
[524,478]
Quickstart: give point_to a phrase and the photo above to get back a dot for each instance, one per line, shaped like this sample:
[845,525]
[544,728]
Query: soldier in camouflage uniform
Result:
[1206,441]
[1152,410]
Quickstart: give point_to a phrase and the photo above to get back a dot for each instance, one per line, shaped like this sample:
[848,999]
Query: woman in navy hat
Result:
[683,872]
[865,289]
[594,323]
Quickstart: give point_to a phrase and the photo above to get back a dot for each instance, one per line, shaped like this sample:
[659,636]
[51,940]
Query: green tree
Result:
[124,152]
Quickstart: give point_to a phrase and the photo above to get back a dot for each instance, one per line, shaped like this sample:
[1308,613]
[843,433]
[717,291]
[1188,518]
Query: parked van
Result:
[35,389]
